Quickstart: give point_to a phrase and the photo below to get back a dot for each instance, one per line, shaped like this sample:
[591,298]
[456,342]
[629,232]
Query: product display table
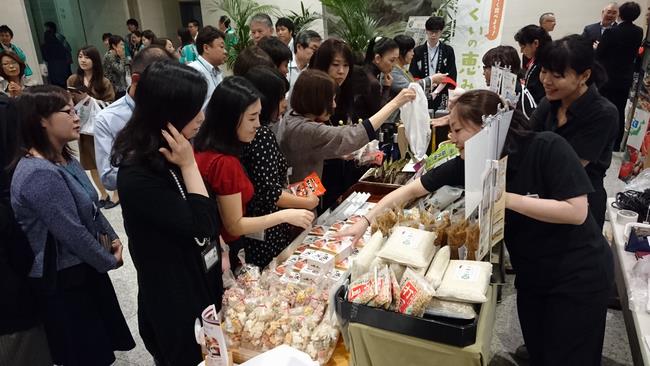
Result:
[637,323]
[376,347]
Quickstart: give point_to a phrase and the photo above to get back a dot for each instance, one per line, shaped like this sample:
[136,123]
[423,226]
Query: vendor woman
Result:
[562,262]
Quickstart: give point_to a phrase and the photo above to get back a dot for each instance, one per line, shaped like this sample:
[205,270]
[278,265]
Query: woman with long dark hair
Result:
[89,81]
[168,216]
[74,245]
[562,262]
[267,169]
[232,120]
[336,58]
[574,109]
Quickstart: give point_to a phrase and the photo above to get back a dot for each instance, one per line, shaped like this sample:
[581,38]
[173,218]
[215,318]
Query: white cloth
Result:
[282,356]
[212,75]
[415,116]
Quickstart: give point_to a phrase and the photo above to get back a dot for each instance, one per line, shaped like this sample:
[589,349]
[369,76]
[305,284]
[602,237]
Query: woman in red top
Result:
[232,119]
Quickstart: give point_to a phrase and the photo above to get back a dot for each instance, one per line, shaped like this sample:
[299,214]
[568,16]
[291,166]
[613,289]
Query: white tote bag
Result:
[87,109]
[415,116]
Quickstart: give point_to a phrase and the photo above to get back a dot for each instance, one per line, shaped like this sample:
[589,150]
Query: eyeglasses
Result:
[71,112]
[9,63]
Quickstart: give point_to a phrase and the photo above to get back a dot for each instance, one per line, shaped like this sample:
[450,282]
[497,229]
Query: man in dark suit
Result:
[434,57]
[608,20]
[617,51]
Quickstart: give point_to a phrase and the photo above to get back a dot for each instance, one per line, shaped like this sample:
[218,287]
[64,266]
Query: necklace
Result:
[203,241]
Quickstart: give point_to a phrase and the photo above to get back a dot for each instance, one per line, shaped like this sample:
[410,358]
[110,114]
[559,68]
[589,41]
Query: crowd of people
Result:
[202,161]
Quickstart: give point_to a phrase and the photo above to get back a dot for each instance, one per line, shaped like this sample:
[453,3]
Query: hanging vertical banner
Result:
[477,28]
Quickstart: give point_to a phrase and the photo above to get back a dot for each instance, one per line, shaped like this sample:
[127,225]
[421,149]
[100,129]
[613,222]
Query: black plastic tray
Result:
[455,332]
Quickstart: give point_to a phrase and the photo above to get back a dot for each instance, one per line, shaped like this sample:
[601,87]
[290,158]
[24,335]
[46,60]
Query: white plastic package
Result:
[444,197]
[367,254]
[438,267]
[415,116]
[465,281]
[450,309]
[410,247]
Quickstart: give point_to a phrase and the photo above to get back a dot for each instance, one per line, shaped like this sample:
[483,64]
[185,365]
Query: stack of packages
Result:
[411,264]
[261,313]
[287,303]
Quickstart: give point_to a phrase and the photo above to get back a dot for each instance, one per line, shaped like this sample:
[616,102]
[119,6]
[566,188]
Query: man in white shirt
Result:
[306,43]
[261,26]
[110,120]
[211,46]
[284,29]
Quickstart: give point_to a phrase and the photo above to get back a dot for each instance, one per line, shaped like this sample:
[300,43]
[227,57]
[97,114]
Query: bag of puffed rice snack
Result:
[415,294]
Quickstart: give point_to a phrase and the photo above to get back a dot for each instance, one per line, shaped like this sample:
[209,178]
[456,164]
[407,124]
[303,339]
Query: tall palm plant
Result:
[303,19]
[240,13]
[351,20]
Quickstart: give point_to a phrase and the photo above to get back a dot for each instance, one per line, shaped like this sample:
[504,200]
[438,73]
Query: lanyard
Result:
[434,65]
[211,72]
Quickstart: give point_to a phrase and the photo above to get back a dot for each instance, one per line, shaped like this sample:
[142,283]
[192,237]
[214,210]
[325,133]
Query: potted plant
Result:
[352,21]
[303,19]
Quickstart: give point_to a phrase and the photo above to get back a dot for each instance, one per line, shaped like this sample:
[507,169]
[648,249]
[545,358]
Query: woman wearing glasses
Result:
[74,246]
[12,74]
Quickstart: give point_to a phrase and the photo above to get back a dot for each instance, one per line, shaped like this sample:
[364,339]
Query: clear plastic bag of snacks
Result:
[415,293]
[362,290]
[382,283]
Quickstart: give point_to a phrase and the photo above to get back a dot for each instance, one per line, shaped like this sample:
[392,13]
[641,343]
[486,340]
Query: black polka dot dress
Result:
[267,169]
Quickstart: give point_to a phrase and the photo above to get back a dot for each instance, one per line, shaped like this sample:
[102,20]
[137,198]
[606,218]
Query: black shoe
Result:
[522,352]
[110,204]
[102,203]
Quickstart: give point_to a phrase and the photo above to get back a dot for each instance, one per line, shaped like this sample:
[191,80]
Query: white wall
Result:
[14,15]
[163,17]
[571,16]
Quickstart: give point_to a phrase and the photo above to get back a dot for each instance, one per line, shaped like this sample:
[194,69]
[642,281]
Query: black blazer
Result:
[617,51]
[419,67]
[594,32]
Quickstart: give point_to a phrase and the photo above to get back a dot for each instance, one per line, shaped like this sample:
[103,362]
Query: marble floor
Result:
[507,334]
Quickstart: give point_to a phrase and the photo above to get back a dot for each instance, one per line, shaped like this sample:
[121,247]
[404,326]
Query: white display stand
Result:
[637,323]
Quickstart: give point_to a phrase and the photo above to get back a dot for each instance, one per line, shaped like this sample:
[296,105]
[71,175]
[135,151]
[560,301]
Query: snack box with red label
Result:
[340,248]
[324,261]
[311,273]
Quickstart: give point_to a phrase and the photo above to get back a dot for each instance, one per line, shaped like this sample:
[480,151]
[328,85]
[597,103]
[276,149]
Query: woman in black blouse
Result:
[168,215]
[574,109]
[267,168]
[562,261]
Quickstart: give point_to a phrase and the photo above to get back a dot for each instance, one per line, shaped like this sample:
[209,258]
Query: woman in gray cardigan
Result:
[307,141]
[56,206]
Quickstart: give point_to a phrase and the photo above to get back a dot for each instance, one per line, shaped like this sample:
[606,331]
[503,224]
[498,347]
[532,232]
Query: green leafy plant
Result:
[240,13]
[352,21]
[303,19]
